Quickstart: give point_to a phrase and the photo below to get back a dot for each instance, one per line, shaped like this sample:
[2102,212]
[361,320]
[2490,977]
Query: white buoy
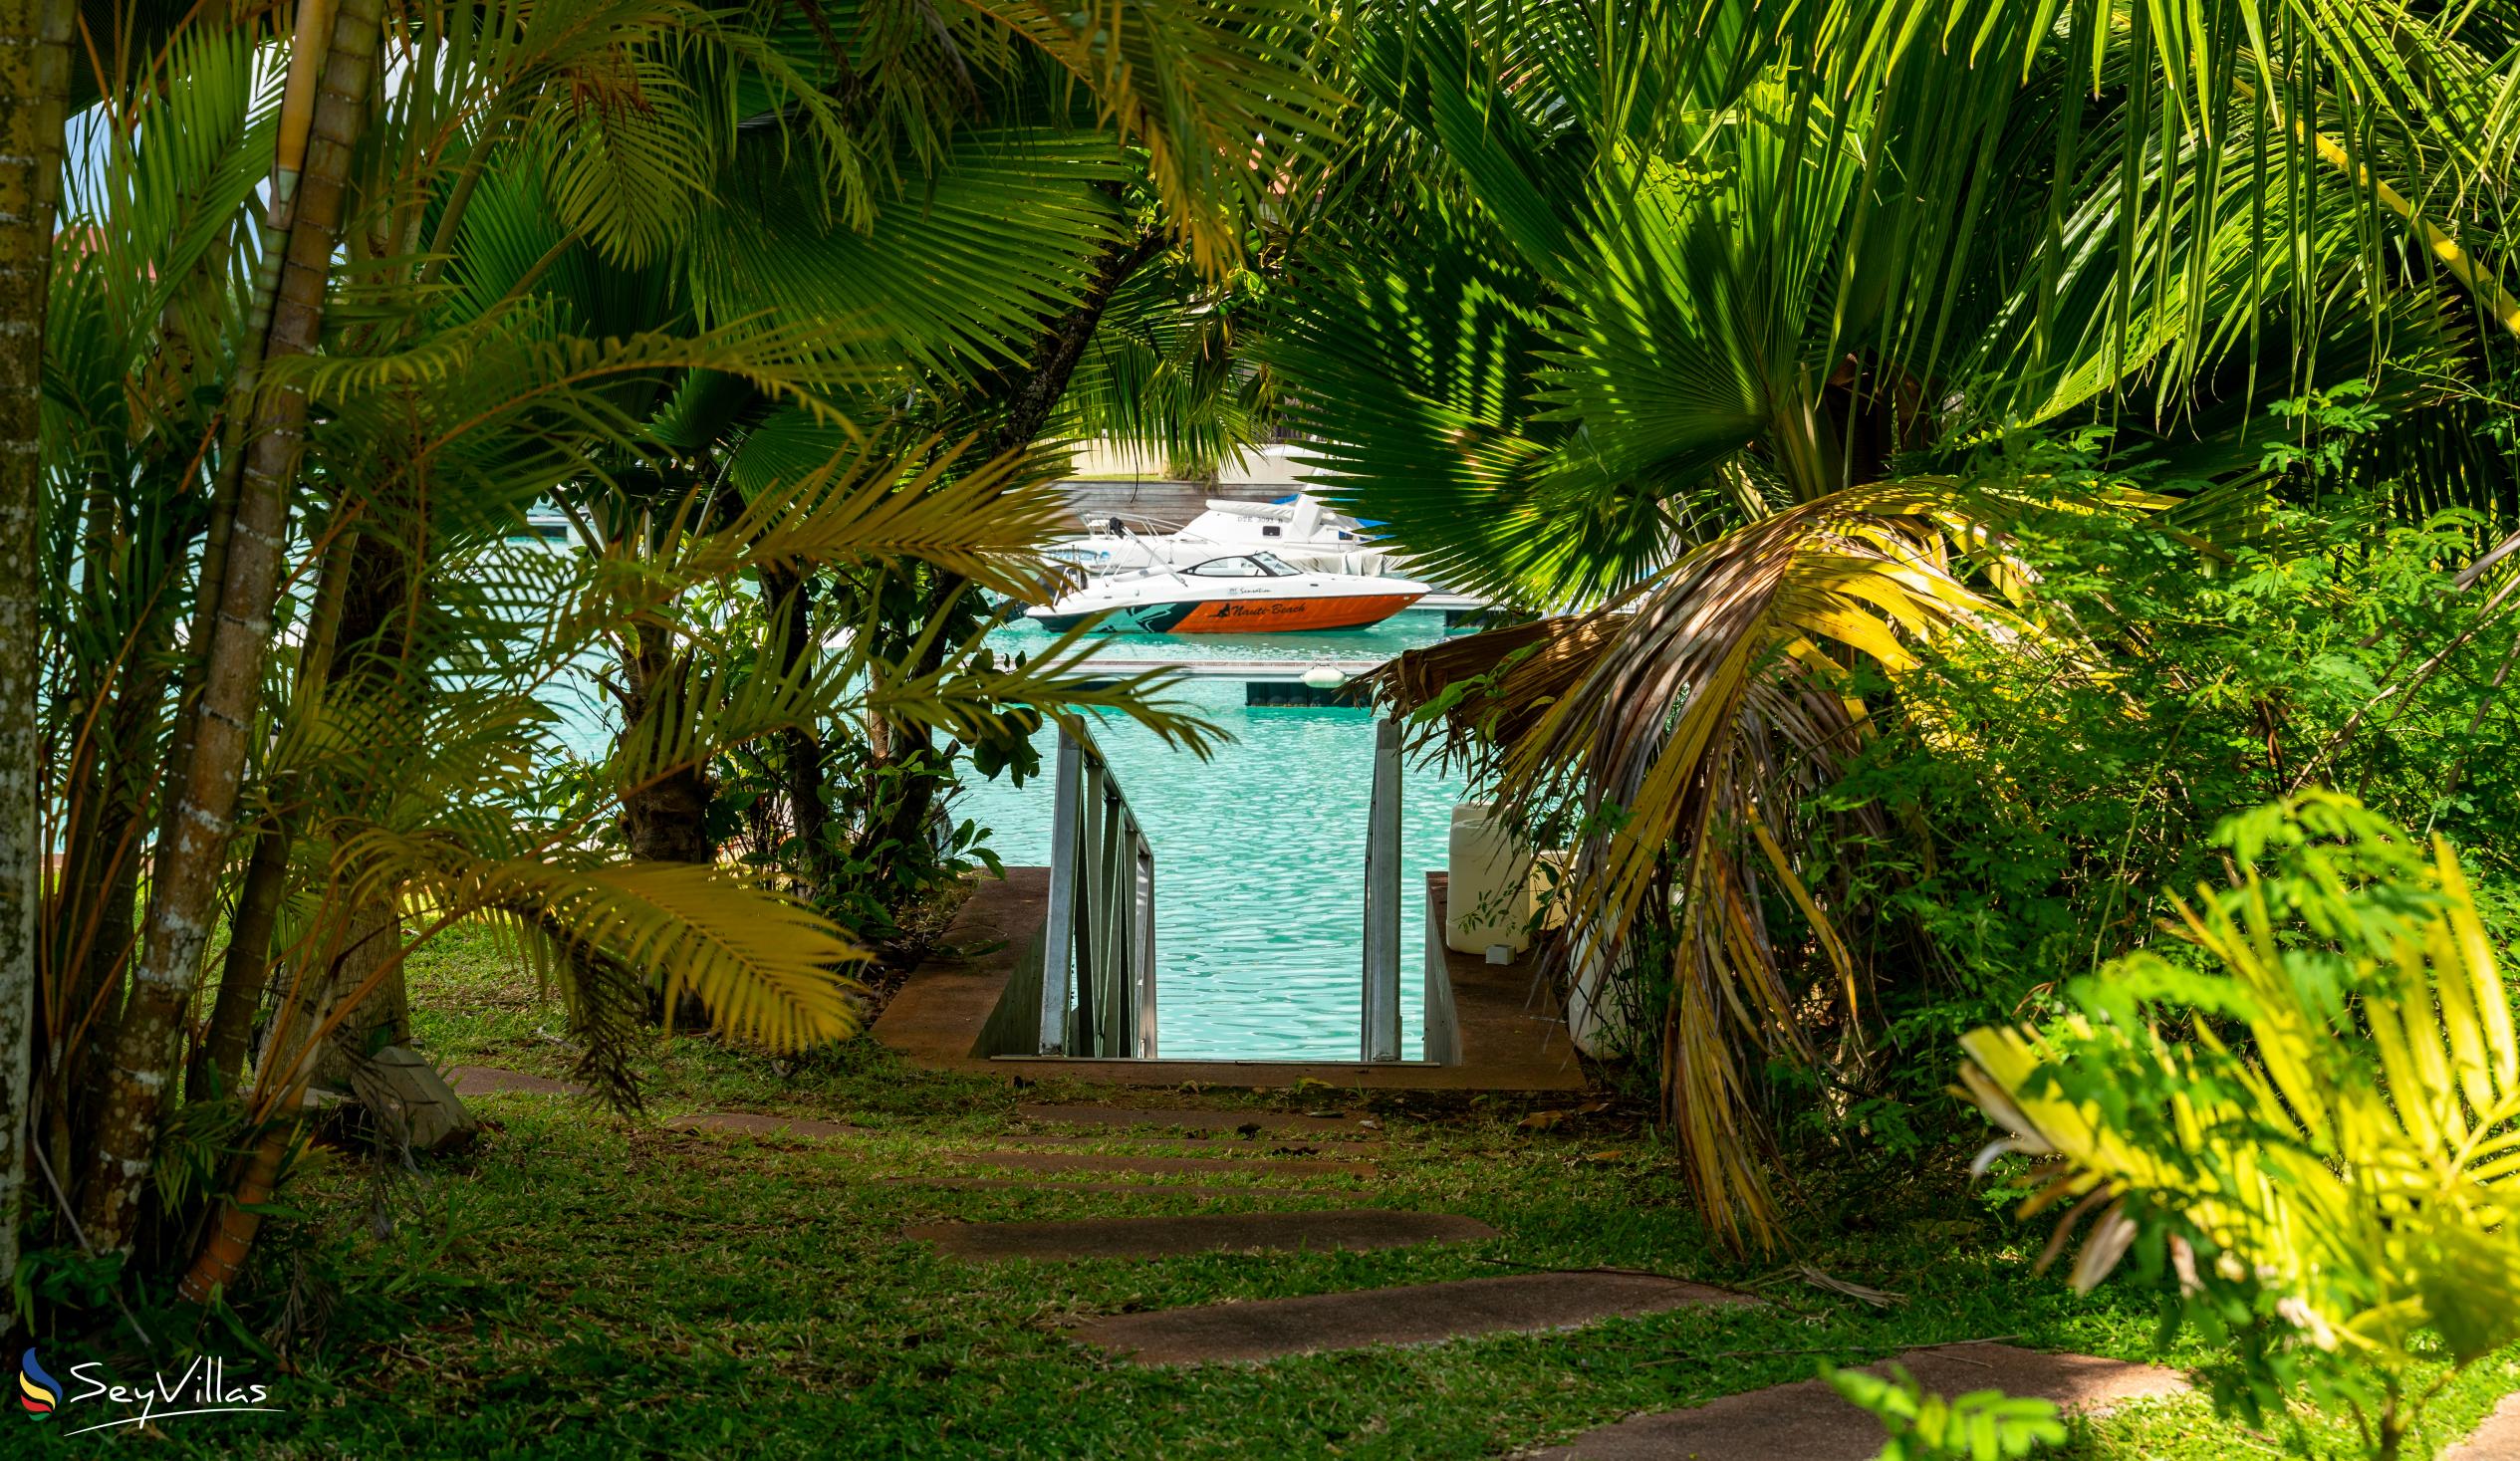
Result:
[1323,677]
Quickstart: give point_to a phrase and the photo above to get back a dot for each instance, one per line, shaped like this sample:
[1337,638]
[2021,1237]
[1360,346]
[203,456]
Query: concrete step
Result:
[1807,1421]
[1210,1121]
[1353,1230]
[1086,1161]
[1263,1145]
[1417,1313]
[1143,1189]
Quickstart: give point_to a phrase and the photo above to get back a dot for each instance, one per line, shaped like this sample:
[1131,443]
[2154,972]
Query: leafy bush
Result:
[2041,797]
[2311,1141]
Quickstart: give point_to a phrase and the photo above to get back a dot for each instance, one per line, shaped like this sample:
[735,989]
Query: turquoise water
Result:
[1259,851]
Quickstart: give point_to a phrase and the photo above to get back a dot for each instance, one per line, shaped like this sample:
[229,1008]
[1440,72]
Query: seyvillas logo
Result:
[201,1389]
[37,1391]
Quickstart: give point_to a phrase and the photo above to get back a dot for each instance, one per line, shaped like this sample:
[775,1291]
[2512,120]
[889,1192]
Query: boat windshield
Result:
[1244,566]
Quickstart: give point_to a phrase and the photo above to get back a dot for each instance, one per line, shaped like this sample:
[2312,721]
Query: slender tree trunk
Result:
[375,624]
[34,86]
[1031,397]
[220,1059]
[91,765]
[666,820]
[791,595]
[308,184]
[96,897]
[105,940]
[238,1218]
[246,971]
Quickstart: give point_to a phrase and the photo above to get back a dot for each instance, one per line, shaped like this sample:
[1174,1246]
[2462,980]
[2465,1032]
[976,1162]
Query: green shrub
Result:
[2040,799]
[2307,1134]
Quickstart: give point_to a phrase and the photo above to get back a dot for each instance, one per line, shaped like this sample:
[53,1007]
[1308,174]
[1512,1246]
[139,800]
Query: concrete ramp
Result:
[960,1007]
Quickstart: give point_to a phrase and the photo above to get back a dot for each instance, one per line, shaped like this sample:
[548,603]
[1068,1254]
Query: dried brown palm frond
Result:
[1672,737]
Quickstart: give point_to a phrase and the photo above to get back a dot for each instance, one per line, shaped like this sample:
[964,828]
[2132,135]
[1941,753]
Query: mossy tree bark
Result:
[34,87]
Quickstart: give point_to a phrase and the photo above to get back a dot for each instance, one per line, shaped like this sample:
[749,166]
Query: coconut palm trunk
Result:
[34,85]
[331,67]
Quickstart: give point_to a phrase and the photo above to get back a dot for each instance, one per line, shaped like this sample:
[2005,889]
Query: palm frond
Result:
[1671,738]
[976,693]
[766,966]
[951,277]
[1222,95]
[892,498]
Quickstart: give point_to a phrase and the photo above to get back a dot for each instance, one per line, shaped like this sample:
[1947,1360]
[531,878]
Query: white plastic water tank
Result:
[1488,900]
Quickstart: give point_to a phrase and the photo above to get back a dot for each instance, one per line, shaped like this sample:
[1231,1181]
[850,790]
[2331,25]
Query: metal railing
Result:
[1098,975]
[1378,1038]
[1098,984]
[1442,1019]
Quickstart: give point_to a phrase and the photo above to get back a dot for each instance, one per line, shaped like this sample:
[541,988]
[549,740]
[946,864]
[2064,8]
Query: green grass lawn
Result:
[577,1285]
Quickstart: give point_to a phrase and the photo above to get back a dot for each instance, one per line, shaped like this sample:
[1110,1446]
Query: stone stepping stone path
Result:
[756,1123]
[1141,1189]
[1279,1144]
[1807,1421]
[2498,1439]
[1355,1230]
[1296,1146]
[491,1080]
[1418,1314]
[1189,1121]
[1151,1166]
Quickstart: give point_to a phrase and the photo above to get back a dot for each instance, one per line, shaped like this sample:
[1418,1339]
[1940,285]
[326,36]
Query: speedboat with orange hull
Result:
[1242,593]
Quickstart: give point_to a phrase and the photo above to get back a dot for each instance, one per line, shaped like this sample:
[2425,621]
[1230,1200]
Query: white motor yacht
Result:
[1234,593]
[1300,530]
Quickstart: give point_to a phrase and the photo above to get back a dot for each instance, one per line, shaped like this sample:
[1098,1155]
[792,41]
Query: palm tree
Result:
[332,60]
[1069,237]
[967,144]
[35,41]
[349,730]
[1669,326]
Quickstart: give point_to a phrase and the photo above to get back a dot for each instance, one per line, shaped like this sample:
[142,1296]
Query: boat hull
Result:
[1251,616]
